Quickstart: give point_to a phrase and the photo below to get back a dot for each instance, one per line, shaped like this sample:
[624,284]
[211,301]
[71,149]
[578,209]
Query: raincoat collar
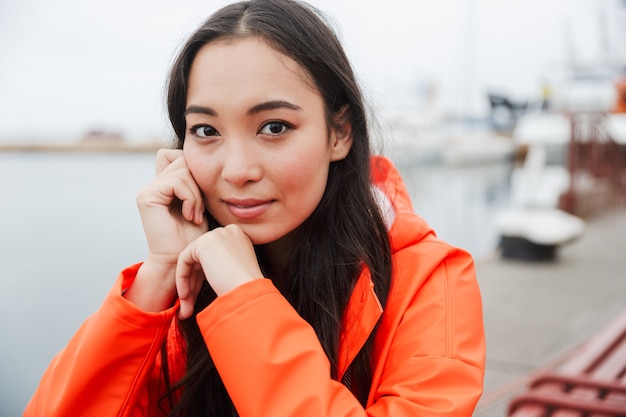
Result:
[364,309]
[361,315]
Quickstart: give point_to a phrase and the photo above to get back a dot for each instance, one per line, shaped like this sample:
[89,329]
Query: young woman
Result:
[287,274]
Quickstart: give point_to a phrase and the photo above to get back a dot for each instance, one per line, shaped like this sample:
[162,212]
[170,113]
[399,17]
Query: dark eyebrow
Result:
[265,106]
[199,109]
[273,105]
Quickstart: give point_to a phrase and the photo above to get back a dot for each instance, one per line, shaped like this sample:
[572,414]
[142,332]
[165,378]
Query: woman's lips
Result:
[247,209]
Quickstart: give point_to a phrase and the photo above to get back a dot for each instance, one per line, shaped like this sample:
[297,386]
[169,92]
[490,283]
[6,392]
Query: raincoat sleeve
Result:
[429,364]
[107,367]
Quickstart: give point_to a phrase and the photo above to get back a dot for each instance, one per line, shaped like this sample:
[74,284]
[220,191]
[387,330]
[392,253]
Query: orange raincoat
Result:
[428,355]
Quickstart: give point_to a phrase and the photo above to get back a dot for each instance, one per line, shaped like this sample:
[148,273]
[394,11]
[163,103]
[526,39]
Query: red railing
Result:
[594,157]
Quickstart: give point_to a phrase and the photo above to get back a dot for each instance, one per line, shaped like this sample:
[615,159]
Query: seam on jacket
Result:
[429,238]
[454,358]
[127,405]
[448,298]
[434,240]
[160,320]
[451,358]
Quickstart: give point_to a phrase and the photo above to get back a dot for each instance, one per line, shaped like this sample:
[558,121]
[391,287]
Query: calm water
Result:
[68,224]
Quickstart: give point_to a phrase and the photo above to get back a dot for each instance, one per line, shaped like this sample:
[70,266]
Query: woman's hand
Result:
[225,256]
[172,213]
[171,208]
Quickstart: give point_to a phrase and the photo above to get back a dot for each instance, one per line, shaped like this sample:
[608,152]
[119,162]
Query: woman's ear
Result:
[341,135]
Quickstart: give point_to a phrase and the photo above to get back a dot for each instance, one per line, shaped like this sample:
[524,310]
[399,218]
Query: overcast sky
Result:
[69,66]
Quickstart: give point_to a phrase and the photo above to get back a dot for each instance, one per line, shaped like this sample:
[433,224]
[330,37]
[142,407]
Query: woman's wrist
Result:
[154,288]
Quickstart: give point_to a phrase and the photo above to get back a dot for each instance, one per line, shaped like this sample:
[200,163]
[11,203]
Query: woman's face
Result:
[257,142]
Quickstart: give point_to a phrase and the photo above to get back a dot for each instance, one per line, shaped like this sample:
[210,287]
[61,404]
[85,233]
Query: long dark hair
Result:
[345,232]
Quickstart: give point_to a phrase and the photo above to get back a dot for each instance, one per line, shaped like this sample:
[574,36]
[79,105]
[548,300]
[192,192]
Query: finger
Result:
[165,157]
[177,189]
[172,192]
[194,209]
[192,201]
[185,283]
[169,162]
[197,279]
[194,206]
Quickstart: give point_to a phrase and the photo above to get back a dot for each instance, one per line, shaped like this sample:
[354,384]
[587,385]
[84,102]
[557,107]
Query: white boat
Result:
[533,227]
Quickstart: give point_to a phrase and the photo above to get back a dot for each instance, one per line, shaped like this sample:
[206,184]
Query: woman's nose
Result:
[240,165]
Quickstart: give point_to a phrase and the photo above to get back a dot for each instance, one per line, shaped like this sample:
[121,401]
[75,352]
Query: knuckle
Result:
[141,194]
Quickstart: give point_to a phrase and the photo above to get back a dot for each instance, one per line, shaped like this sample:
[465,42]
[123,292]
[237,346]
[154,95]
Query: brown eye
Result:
[204,131]
[274,128]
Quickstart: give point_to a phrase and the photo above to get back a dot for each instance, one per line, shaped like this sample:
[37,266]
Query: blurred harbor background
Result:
[499,114]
